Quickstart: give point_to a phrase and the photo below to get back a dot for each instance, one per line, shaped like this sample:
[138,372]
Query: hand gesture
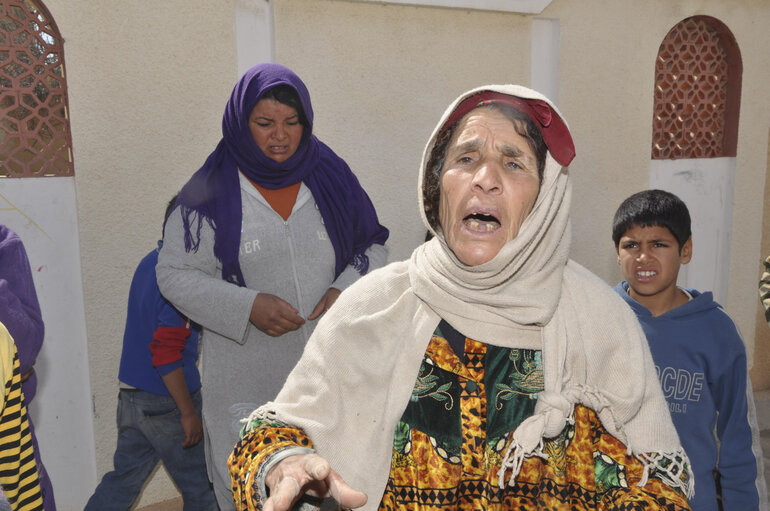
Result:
[274,316]
[326,301]
[307,473]
[193,429]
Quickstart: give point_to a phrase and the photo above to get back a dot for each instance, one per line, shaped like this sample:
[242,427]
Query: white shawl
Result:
[354,380]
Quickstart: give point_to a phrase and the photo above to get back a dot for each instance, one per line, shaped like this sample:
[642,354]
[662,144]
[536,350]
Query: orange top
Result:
[281,200]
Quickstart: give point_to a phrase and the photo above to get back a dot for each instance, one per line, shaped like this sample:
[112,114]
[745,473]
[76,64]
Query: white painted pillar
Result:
[544,60]
[706,187]
[253,33]
[43,212]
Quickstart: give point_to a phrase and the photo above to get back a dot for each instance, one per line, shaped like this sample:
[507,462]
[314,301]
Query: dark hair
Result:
[170,206]
[288,96]
[169,209]
[650,208]
[435,164]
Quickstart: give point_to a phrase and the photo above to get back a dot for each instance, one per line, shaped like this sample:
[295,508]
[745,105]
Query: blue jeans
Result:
[150,430]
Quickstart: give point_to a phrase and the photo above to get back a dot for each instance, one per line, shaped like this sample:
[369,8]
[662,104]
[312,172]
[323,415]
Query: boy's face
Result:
[649,258]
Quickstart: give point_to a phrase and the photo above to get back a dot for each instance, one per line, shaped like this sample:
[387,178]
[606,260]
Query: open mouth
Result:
[481,222]
[645,275]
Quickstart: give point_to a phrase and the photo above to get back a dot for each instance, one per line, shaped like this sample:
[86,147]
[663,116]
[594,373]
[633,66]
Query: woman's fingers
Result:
[343,493]
[308,473]
[284,494]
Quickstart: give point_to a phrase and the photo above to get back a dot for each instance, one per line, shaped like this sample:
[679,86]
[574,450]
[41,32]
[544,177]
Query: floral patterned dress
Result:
[450,442]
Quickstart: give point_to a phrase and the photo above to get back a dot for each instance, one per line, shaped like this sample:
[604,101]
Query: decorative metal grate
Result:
[35,139]
[691,79]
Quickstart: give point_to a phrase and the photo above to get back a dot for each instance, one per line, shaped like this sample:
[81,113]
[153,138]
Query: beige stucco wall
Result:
[380,77]
[148,81]
[760,375]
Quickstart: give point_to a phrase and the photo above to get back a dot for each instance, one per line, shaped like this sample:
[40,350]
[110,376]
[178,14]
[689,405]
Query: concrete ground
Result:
[168,505]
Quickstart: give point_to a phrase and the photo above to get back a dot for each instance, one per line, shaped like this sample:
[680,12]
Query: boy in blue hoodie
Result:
[159,403]
[699,355]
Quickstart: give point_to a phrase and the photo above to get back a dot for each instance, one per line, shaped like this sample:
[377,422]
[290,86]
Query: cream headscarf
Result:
[353,382]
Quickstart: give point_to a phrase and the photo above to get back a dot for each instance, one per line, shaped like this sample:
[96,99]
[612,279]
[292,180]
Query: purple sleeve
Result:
[19,308]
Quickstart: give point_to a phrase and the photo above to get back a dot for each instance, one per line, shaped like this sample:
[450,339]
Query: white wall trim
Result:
[544,60]
[43,212]
[254,41]
[706,186]
[518,6]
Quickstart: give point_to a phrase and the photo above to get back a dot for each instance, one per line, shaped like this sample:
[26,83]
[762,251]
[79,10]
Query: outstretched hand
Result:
[326,301]
[307,473]
[274,316]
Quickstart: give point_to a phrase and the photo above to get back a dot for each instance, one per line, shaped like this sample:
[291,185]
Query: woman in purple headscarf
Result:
[267,234]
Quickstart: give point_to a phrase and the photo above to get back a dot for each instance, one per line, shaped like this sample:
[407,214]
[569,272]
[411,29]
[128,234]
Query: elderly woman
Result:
[269,231]
[489,371]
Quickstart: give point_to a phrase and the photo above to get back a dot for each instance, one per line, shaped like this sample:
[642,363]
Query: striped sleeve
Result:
[18,470]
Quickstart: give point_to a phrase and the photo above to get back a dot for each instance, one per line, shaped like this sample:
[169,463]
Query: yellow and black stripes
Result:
[18,470]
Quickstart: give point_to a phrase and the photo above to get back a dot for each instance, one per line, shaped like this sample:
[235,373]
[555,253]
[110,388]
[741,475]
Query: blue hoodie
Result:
[700,359]
[148,310]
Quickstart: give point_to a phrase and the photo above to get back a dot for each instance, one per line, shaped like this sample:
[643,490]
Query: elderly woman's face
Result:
[275,128]
[488,186]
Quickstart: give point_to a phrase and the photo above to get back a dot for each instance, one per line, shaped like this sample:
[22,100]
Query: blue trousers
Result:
[150,430]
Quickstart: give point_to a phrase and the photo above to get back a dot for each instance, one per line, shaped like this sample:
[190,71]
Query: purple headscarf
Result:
[213,192]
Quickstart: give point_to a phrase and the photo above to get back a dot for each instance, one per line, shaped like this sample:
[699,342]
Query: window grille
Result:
[35,138]
[693,92]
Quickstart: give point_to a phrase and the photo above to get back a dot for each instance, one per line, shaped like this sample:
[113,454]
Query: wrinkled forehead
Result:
[553,129]
[496,129]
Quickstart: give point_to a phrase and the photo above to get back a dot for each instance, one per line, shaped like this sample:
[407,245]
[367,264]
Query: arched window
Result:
[697,96]
[35,139]
[697,91]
